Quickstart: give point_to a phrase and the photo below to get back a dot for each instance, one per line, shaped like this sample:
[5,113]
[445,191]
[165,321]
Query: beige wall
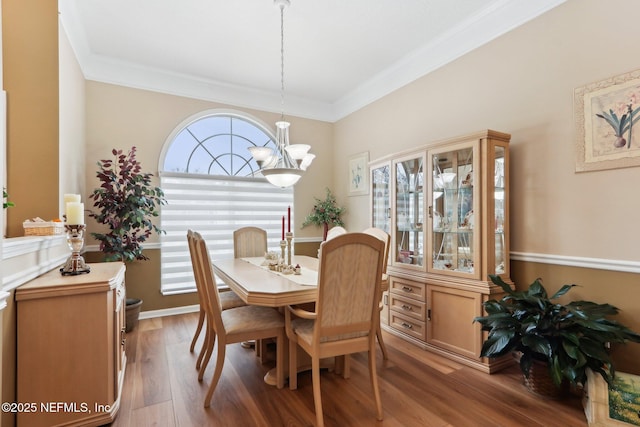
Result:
[72,169]
[30,72]
[522,83]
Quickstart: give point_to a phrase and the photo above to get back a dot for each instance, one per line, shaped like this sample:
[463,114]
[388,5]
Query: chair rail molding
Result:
[573,261]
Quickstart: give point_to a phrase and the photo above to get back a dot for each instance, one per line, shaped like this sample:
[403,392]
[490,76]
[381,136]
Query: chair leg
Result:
[198,329]
[210,344]
[280,359]
[385,356]
[317,397]
[346,366]
[222,348]
[205,345]
[293,364]
[374,379]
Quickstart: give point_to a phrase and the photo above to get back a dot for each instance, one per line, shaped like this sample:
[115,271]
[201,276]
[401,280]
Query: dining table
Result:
[256,283]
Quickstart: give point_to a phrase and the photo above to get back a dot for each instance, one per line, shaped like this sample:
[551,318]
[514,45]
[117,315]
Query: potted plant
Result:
[126,203]
[325,212]
[5,199]
[566,340]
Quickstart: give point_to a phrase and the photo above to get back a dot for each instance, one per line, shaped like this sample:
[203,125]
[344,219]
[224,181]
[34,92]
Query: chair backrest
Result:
[348,287]
[249,242]
[386,238]
[213,307]
[335,231]
[197,273]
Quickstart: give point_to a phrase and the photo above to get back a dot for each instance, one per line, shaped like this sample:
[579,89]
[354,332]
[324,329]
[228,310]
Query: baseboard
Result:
[169,311]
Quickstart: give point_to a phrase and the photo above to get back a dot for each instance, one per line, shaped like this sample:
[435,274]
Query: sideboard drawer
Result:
[407,306]
[409,288]
[409,326]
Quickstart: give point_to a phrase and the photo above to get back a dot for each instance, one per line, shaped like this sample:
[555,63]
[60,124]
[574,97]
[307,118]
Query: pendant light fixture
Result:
[284,167]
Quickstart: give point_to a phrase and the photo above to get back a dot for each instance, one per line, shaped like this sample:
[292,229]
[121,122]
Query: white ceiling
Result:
[340,55]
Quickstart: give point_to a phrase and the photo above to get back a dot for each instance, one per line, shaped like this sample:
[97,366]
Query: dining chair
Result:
[384,283]
[251,242]
[335,231]
[235,324]
[345,314]
[228,299]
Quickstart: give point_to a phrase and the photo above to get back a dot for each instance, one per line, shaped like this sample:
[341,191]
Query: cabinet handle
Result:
[429,314]
[407,325]
[430,211]
[122,337]
[407,289]
[386,300]
[407,307]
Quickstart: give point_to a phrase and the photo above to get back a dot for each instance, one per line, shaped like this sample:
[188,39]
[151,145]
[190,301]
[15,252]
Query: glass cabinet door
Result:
[454,208]
[499,210]
[409,215]
[381,197]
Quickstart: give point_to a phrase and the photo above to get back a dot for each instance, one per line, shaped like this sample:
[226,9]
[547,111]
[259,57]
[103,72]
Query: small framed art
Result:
[359,174]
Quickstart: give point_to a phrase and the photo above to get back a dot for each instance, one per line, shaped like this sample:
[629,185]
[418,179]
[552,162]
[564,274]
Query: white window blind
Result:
[214,206]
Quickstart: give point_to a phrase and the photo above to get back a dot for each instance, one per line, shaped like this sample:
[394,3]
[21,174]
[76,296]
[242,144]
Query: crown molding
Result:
[502,17]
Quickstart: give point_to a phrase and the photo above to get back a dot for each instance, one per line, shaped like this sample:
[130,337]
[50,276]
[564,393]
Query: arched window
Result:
[207,174]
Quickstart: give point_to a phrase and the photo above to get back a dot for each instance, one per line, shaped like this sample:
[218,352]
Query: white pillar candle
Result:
[71,198]
[75,213]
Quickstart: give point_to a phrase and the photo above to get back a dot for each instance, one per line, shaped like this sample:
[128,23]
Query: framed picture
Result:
[359,174]
[606,116]
[615,405]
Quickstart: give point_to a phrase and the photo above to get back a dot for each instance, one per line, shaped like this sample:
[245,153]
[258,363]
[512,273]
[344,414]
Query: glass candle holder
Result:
[75,239]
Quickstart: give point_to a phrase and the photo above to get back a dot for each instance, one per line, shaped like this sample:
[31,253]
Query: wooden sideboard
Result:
[71,358]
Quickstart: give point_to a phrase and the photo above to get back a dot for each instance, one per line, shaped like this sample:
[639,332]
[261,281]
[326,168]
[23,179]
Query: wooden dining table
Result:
[258,285]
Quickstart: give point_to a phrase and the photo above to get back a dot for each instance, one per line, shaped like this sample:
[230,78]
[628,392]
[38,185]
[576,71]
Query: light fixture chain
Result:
[282,61]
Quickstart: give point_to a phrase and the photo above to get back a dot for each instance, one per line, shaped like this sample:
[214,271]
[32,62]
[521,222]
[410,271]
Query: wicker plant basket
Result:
[49,228]
[539,382]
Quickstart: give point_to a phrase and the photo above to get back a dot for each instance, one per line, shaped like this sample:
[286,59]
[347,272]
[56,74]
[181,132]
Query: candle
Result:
[282,227]
[75,213]
[289,219]
[71,198]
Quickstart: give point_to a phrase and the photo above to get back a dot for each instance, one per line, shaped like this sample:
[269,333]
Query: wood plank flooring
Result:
[417,388]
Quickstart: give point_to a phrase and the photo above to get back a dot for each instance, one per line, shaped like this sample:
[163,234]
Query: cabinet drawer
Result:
[407,288]
[407,306]
[409,326]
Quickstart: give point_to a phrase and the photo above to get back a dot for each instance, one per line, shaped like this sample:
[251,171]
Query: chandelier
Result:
[284,166]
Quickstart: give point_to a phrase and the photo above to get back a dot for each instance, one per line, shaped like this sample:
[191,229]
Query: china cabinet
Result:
[448,205]
[71,347]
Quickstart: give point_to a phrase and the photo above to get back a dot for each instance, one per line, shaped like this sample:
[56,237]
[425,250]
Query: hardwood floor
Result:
[417,389]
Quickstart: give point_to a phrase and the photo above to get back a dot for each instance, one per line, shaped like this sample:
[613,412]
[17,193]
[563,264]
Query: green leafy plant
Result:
[570,338]
[127,203]
[5,199]
[324,213]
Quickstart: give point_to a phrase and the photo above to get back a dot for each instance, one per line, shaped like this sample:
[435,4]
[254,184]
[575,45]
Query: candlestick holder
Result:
[283,245]
[75,239]
[289,237]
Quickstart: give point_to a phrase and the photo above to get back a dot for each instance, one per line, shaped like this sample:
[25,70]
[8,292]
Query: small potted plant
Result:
[325,212]
[5,199]
[126,203]
[566,340]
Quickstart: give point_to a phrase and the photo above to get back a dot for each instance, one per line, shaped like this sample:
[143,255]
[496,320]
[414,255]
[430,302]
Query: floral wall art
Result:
[607,128]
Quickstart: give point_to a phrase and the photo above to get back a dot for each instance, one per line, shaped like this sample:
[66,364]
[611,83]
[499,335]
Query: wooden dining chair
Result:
[235,324]
[346,312]
[249,242]
[384,284]
[228,299]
